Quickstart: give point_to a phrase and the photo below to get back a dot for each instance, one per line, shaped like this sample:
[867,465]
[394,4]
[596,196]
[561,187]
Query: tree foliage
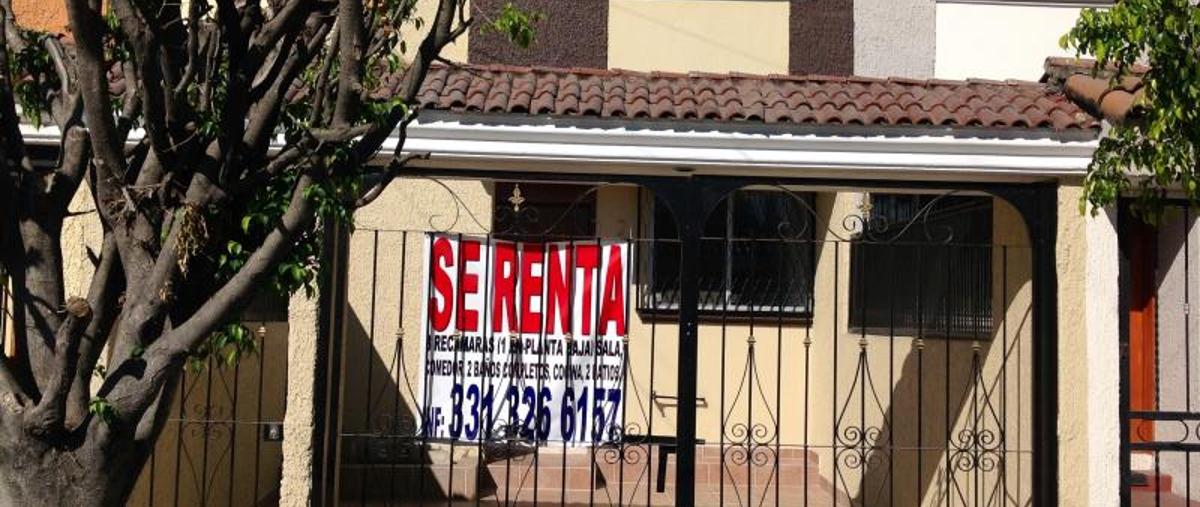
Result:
[1155,152]
[215,137]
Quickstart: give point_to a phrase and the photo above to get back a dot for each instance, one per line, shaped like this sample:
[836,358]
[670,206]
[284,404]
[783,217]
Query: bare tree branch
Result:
[103,297]
[46,418]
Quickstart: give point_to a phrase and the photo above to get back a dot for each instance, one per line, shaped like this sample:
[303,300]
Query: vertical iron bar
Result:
[726,287]
[920,345]
[486,330]
[460,268]
[597,293]
[751,370]
[1157,364]
[366,469]
[207,425]
[629,264]
[837,262]
[1124,278]
[1187,342]
[653,347]
[183,394]
[862,351]
[950,478]
[570,345]
[785,286]
[541,382]
[400,367]
[891,376]
[233,425]
[1004,374]
[262,354]
[427,378]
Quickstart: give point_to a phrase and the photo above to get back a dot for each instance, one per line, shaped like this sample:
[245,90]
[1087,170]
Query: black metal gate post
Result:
[690,200]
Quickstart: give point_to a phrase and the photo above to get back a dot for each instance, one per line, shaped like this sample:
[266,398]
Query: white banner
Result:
[524,339]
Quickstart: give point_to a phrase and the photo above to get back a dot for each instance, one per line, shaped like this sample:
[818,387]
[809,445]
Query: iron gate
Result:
[1160,393]
[807,346]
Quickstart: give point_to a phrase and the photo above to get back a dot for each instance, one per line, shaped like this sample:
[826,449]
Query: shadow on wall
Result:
[950,430]
[382,458]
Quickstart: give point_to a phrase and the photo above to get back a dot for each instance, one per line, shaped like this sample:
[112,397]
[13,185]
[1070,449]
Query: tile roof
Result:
[1095,90]
[774,99]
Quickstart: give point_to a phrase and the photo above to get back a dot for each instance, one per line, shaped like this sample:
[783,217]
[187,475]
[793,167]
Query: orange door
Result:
[1143,256]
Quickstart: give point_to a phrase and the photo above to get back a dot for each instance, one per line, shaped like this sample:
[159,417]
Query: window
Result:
[543,210]
[756,257]
[926,270]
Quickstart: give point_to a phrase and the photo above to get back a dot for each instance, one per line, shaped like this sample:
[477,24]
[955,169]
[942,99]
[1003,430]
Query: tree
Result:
[1156,149]
[168,113]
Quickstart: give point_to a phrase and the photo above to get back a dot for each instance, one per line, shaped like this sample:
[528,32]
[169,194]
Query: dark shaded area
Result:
[571,34]
[822,37]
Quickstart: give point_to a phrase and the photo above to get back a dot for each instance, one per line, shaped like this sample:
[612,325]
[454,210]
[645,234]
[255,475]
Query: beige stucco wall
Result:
[1088,320]
[299,421]
[701,35]
[426,10]
[998,40]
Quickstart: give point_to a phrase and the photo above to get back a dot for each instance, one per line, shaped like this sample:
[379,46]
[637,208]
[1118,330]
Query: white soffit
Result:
[520,143]
[483,143]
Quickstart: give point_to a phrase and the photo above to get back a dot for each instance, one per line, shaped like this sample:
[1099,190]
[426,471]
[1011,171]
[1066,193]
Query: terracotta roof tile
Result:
[1095,90]
[825,100]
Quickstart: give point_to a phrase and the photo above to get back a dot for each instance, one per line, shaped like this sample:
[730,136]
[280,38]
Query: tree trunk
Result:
[33,472]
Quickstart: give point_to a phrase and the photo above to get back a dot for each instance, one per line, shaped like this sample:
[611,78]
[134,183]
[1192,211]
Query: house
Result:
[796,253]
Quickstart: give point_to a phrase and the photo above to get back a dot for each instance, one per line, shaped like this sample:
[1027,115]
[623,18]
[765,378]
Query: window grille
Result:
[924,267]
[756,257]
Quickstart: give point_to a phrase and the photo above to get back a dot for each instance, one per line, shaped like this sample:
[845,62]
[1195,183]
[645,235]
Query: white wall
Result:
[998,40]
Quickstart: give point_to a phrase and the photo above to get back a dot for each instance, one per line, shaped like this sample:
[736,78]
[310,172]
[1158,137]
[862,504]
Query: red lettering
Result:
[612,304]
[443,258]
[532,254]
[559,289]
[586,259]
[504,265]
[468,317]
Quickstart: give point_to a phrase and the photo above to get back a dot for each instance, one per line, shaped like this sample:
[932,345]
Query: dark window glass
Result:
[756,257]
[925,267]
[543,210]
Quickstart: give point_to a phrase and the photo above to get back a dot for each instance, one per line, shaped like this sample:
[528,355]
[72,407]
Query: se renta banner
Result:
[524,339]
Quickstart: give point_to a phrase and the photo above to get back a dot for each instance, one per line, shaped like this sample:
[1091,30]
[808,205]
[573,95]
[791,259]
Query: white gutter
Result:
[515,143]
[558,147]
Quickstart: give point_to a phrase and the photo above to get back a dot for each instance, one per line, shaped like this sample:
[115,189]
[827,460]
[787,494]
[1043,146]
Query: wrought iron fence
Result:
[222,444]
[789,411]
[1160,390]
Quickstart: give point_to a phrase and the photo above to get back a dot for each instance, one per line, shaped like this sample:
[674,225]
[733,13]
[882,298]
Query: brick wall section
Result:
[571,34]
[822,37]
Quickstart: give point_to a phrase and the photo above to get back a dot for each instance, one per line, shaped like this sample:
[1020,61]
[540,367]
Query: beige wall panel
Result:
[1072,347]
[701,35]
[427,11]
[1003,41]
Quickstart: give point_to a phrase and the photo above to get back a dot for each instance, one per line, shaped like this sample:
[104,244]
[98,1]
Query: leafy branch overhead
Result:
[1156,151]
[216,138]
